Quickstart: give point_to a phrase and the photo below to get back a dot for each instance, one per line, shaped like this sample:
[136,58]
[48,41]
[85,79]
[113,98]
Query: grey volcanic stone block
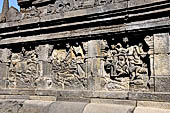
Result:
[108,108]
[109,94]
[10,106]
[160,105]
[114,101]
[133,3]
[150,110]
[67,107]
[161,64]
[3,75]
[35,106]
[161,43]
[162,84]
[3,71]
[150,96]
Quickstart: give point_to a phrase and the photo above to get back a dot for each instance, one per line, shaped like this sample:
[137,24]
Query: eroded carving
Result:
[60,6]
[31,12]
[10,106]
[23,70]
[126,65]
[69,67]
[103,2]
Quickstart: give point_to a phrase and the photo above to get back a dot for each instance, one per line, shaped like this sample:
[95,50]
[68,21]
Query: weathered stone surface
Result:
[33,106]
[67,107]
[43,98]
[3,75]
[133,3]
[154,96]
[82,51]
[3,71]
[44,51]
[158,105]
[4,55]
[110,94]
[150,110]
[161,64]
[108,108]
[114,101]
[161,43]
[162,84]
[10,106]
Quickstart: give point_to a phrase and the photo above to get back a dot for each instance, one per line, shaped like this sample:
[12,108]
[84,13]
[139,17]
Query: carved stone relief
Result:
[126,65]
[10,106]
[31,12]
[121,64]
[68,5]
[23,69]
[69,67]
[60,6]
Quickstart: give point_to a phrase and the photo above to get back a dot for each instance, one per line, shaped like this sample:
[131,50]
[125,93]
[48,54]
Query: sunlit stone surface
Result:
[85,56]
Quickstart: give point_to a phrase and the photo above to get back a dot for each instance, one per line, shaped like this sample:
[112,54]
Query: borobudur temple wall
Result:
[85,56]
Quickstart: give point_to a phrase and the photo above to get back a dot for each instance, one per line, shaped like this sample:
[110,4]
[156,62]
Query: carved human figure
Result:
[126,65]
[78,55]
[137,67]
[121,66]
[23,69]
[68,67]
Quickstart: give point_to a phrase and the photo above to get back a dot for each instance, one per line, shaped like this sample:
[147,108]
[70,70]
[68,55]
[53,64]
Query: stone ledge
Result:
[39,106]
[89,32]
[83,95]
[150,110]
[107,108]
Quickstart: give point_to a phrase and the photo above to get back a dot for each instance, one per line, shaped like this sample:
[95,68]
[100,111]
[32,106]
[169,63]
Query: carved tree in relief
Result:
[69,67]
[125,66]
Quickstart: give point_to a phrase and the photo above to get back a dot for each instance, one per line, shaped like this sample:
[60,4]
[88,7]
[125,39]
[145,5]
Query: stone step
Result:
[97,106]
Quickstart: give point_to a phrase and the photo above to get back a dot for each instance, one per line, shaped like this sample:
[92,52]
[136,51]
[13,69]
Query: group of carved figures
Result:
[23,69]
[60,6]
[67,68]
[124,65]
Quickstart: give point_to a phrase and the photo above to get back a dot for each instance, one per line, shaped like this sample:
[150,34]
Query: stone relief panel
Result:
[23,69]
[122,64]
[68,5]
[126,65]
[60,6]
[69,67]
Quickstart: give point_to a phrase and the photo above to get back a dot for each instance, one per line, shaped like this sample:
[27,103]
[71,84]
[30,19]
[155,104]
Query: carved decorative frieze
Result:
[60,6]
[68,5]
[122,64]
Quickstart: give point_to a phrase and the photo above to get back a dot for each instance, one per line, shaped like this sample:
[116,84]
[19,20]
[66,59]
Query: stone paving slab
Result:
[108,108]
[150,110]
[97,106]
